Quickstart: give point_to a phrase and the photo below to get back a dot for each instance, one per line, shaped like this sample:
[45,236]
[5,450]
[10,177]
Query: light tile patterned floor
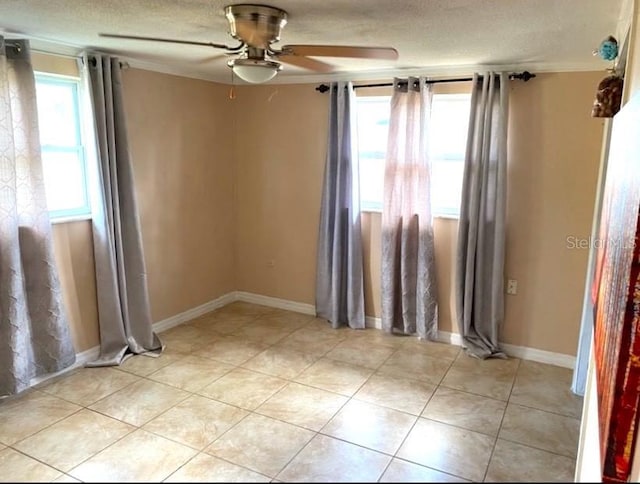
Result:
[254,394]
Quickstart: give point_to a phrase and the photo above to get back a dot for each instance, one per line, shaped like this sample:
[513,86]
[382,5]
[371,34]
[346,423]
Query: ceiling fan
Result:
[257,27]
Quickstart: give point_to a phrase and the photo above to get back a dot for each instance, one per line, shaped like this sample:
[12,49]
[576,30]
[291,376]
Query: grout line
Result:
[362,446]
[132,430]
[432,468]
[495,442]
[395,454]
[50,466]
[466,429]
[202,452]
[49,425]
[573,458]
[386,468]
[469,392]
[531,407]
[255,411]
[295,455]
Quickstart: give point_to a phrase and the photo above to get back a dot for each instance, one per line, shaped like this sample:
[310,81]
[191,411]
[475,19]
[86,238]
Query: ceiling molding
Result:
[440,71]
[45,46]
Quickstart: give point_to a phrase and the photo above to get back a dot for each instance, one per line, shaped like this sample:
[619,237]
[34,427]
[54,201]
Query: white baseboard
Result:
[522,352]
[193,313]
[93,353]
[371,322]
[88,355]
[274,302]
[541,356]
[450,338]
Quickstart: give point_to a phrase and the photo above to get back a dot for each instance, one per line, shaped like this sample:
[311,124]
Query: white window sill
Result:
[447,216]
[371,209]
[70,218]
[437,215]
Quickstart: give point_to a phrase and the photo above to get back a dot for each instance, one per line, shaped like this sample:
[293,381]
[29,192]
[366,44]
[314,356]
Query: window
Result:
[447,146]
[63,155]
[373,124]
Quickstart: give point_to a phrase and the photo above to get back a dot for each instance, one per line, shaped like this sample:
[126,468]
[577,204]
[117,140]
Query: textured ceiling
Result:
[433,37]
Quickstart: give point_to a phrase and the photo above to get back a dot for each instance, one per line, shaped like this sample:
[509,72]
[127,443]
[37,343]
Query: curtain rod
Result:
[14,45]
[524,76]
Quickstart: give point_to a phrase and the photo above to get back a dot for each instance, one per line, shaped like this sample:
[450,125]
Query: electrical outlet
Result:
[512,286]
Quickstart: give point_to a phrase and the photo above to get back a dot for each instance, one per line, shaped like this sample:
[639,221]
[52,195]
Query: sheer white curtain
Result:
[34,334]
[409,303]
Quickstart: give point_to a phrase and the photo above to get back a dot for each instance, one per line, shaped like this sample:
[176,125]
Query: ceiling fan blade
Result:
[388,53]
[173,41]
[305,62]
[212,58]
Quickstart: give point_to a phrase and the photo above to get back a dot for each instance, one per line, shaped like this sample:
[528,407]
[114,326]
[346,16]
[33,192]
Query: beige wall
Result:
[280,147]
[554,155]
[229,198]
[73,251]
[180,133]
[55,64]
[372,255]
[181,140]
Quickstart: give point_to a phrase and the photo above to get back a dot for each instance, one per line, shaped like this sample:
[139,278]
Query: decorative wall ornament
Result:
[609,92]
[608,97]
[608,48]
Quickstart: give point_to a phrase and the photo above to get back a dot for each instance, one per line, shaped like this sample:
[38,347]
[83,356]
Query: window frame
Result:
[438,212]
[81,212]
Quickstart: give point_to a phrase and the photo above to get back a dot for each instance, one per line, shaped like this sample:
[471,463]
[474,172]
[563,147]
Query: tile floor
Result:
[249,393]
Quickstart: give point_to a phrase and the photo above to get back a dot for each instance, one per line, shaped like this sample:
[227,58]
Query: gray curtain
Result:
[409,298]
[339,279]
[121,277]
[481,229]
[34,333]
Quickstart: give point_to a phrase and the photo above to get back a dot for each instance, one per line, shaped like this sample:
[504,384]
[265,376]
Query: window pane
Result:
[447,146]
[446,186]
[450,121]
[57,114]
[373,125]
[61,145]
[64,180]
[371,182]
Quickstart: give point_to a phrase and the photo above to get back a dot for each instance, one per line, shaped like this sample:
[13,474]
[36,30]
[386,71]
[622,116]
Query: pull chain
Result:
[232,92]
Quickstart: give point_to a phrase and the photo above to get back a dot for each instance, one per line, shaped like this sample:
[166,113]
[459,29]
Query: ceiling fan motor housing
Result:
[256,25]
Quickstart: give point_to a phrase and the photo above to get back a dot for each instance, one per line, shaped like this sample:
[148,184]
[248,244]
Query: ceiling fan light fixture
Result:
[255,71]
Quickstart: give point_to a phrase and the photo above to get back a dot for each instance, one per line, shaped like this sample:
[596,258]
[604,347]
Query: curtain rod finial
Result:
[523,76]
[322,88]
